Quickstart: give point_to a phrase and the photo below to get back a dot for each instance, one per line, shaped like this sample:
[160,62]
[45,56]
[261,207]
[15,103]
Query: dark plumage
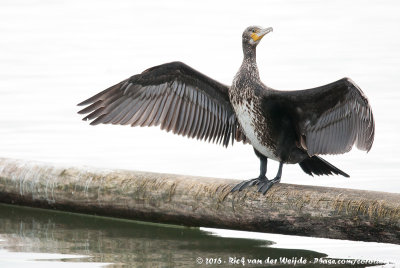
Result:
[287,126]
[172,95]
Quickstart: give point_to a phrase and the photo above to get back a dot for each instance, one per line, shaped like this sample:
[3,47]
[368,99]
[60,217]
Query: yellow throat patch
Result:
[255,37]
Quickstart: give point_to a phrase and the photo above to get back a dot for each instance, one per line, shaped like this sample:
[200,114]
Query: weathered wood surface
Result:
[197,201]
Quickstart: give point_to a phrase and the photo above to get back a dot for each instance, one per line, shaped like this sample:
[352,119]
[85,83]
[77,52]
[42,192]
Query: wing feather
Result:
[331,118]
[172,95]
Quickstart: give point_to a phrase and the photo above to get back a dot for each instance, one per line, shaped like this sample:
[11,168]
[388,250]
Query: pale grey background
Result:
[54,54]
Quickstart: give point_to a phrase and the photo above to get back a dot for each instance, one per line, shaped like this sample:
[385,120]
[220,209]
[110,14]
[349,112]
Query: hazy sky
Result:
[54,54]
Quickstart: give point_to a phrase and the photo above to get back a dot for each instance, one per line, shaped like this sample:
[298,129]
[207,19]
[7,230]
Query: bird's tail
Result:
[318,166]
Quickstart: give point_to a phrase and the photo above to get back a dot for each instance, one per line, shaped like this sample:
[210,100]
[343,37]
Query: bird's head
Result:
[253,35]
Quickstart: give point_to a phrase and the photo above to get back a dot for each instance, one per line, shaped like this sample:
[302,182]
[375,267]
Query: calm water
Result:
[75,238]
[54,54]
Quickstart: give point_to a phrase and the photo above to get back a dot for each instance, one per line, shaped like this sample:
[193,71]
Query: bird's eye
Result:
[253,30]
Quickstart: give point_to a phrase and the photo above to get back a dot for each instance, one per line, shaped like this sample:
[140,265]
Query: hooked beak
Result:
[259,35]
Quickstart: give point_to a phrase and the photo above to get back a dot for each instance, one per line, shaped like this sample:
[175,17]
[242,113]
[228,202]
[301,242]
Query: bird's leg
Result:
[265,186]
[260,179]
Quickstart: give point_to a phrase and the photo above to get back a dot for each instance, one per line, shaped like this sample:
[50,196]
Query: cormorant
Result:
[287,126]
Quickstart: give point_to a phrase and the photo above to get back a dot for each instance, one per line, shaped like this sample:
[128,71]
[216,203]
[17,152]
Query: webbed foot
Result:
[266,185]
[249,183]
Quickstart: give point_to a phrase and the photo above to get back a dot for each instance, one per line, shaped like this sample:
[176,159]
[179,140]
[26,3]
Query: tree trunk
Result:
[198,201]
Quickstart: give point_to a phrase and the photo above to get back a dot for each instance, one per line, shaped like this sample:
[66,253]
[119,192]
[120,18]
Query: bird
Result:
[291,127]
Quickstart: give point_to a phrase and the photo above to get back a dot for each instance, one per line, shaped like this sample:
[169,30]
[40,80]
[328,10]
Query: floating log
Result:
[198,201]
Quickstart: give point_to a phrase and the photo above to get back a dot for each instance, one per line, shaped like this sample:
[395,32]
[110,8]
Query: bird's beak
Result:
[261,33]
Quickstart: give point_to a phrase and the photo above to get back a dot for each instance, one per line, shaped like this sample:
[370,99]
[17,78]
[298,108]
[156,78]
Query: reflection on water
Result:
[106,240]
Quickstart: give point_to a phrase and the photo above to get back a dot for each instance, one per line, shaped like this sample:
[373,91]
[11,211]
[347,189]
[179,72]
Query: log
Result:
[198,201]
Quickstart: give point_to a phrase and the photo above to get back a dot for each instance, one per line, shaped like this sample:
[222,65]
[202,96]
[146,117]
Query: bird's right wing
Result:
[172,95]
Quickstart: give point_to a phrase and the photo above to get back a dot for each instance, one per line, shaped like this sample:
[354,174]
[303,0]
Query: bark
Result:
[198,201]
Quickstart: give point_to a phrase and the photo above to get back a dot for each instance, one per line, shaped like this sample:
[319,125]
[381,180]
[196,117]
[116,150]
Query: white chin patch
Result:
[252,42]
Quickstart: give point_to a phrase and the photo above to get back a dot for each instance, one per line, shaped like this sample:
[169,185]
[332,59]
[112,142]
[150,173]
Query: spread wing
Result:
[172,95]
[332,118]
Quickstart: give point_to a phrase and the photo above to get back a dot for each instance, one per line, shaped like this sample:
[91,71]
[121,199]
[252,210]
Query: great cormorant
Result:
[287,126]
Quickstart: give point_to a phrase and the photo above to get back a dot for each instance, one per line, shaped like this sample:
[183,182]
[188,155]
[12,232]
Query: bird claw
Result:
[266,185]
[249,183]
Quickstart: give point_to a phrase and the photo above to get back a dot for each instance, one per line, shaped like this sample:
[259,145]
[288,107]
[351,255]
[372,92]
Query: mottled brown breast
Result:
[247,106]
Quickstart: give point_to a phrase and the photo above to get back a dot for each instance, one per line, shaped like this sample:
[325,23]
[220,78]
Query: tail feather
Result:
[318,166]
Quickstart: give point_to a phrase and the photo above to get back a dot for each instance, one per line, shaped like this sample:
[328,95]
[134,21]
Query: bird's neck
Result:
[249,64]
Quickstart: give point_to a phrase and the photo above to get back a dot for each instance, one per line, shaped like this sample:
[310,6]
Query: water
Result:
[54,54]
[82,240]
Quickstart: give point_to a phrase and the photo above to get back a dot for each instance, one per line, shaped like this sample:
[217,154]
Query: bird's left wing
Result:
[172,95]
[330,119]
